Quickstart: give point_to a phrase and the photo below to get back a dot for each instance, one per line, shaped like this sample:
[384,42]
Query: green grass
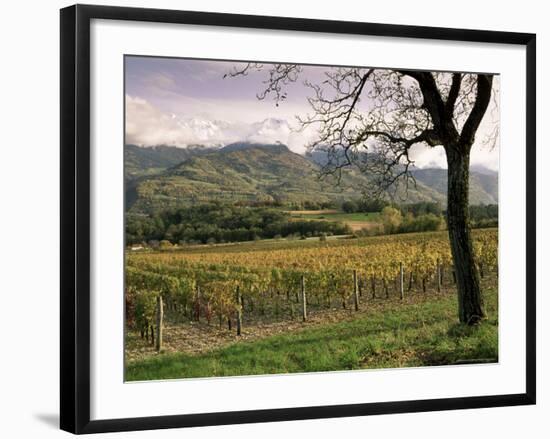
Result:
[419,334]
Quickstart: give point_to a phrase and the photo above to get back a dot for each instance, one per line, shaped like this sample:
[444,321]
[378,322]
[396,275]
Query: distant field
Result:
[336,216]
[309,243]
[312,212]
[356,221]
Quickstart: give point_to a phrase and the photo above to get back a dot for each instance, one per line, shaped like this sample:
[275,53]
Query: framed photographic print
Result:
[268,218]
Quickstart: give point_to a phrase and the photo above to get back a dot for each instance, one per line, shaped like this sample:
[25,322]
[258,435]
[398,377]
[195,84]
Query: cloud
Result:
[428,157]
[482,155]
[146,125]
[160,80]
[181,102]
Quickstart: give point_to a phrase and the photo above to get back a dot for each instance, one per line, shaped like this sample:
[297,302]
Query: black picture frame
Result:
[75,217]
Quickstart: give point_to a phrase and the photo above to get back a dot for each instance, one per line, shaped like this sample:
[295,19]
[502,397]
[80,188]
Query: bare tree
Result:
[386,112]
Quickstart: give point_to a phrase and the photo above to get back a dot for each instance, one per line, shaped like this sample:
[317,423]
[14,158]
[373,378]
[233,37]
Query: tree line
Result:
[217,223]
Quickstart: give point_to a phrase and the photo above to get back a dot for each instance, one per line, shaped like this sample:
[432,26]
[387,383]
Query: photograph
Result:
[288,218]
[272,220]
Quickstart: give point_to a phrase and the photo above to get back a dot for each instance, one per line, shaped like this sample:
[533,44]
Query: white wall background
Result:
[29,219]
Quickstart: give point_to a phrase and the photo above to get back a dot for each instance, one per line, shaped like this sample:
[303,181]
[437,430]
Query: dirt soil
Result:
[360,225]
[312,212]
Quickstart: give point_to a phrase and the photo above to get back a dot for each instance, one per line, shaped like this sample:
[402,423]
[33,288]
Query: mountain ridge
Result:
[255,172]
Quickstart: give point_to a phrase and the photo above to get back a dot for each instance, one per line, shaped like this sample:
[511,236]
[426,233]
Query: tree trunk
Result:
[470,305]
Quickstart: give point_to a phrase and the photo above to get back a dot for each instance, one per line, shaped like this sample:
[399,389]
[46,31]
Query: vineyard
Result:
[230,286]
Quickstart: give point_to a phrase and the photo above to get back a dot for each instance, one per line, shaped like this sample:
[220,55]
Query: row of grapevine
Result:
[228,285]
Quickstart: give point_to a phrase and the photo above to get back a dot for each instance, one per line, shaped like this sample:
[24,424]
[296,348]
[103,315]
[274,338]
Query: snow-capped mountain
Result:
[218,133]
[203,131]
[269,131]
[147,126]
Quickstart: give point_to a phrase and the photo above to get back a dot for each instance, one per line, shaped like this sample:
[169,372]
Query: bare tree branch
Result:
[405,108]
[453,95]
[483,96]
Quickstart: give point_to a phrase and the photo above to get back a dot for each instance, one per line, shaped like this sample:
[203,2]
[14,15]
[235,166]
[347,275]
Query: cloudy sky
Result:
[181,102]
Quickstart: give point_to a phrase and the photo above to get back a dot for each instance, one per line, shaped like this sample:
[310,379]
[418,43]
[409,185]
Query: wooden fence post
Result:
[355,291]
[239,311]
[160,317]
[438,276]
[198,305]
[401,288]
[304,301]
